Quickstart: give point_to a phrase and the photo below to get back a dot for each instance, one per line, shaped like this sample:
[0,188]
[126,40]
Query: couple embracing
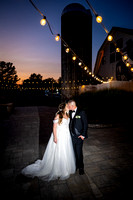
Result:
[64,151]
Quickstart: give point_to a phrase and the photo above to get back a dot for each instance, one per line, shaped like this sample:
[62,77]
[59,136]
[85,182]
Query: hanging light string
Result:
[110,37]
[44,17]
[36,8]
[68,48]
[98,18]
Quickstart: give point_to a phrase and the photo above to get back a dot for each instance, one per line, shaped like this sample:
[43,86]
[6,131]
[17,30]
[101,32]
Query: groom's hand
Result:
[82,137]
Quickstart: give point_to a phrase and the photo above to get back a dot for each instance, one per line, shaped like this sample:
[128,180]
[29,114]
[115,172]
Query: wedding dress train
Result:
[58,160]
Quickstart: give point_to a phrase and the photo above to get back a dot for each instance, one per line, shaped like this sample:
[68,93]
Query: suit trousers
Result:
[78,149]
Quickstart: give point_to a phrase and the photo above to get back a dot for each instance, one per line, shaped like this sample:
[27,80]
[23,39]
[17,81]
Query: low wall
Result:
[120,85]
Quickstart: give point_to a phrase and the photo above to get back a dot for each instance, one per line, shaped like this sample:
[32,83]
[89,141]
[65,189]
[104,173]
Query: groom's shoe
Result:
[81,171]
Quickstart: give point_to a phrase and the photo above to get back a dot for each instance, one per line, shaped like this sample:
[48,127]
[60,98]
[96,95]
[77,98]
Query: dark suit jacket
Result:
[79,124]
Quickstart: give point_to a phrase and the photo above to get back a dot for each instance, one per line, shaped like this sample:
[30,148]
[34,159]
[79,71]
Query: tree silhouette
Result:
[8,75]
[35,77]
[35,82]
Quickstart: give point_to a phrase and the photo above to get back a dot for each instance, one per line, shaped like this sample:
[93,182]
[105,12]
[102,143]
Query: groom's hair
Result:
[72,101]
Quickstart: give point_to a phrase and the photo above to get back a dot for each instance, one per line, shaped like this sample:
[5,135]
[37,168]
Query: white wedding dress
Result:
[58,160]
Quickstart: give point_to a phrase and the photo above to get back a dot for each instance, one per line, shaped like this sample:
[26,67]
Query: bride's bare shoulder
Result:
[56,116]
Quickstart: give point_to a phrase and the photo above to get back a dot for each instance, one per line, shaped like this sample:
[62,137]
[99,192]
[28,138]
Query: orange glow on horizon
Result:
[24,76]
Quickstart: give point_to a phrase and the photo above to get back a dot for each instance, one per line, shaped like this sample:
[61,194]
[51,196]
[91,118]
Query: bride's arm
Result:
[55,121]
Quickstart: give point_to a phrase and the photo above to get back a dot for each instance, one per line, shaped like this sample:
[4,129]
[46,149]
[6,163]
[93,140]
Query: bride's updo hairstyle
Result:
[61,111]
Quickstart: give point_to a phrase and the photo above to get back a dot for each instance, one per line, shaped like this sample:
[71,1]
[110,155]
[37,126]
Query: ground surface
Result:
[108,158]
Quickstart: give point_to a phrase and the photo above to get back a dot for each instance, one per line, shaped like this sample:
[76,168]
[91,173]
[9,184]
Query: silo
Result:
[76,31]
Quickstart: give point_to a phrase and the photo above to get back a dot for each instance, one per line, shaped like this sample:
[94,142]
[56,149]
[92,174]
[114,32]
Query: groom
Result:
[78,129]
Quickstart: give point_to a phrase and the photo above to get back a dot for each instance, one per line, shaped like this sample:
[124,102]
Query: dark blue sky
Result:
[32,48]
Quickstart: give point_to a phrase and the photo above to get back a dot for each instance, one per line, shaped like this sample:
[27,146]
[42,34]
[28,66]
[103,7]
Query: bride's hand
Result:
[55,140]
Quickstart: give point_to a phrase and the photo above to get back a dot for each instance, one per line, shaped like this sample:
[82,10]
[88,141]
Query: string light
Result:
[132,69]
[80,63]
[43,21]
[125,57]
[74,57]
[67,50]
[85,68]
[110,38]
[117,50]
[127,64]
[57,37]
[99,19]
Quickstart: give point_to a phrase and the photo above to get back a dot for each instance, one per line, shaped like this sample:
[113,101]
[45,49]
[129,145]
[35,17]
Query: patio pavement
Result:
[108,159]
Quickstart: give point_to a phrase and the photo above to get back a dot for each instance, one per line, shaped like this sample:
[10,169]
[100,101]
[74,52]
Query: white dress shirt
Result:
[73,113]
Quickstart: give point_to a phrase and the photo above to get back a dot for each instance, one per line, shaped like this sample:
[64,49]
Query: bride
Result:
[59,159]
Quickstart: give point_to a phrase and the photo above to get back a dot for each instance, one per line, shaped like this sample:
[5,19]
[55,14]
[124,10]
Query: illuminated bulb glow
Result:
[43,21]
[85,68]
[131,69]
[80,63]
[57,37]
[127,64]
[99,19]
[125,57]
[117,50]
[74,57]
[110,38]
[67,50]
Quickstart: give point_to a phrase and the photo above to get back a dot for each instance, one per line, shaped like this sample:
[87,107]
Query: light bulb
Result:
[117,50]
[57,37]
[99,19]
[127,64]
[110,38]
[43,21]
[85,68]
[125,57]
[131,69]
[80,63]
[67,50]
[74,57]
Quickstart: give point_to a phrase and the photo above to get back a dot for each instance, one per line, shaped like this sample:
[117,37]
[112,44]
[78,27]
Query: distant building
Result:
[76,30]
[109,63]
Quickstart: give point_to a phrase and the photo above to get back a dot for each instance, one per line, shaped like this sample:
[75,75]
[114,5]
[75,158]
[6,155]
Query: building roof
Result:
[75,7]
[112,31]
[117,29]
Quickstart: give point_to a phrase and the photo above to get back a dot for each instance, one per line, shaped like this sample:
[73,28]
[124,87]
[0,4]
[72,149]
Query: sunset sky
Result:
[32,48]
